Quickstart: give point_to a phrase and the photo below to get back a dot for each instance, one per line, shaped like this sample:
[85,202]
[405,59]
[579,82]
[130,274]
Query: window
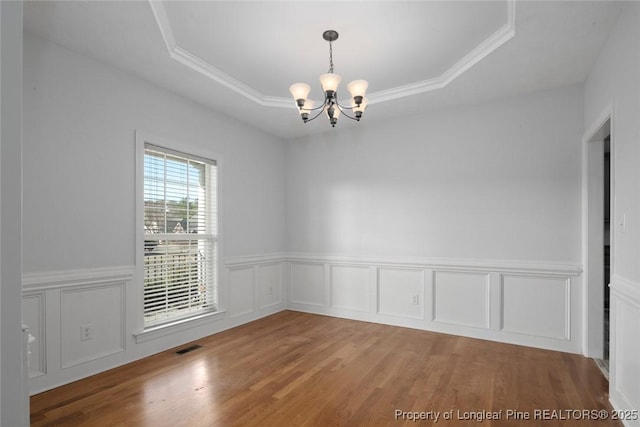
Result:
[180,235]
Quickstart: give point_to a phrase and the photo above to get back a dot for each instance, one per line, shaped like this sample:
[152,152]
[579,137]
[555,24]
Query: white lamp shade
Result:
[330,81]
[300,90]
[358,88]
[362,107]
[308,105]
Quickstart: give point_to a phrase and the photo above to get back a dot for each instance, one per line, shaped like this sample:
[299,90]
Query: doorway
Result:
[606,246]
[598,239]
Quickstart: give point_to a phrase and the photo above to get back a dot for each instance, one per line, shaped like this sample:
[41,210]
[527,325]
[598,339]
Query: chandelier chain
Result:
[330,57]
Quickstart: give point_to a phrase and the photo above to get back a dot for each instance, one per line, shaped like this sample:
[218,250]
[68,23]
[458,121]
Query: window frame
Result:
[174,325]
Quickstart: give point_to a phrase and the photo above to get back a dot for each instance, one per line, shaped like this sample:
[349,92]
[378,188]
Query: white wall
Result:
[495,181]
[463,221]
[79,162]
[615,81]
[12,399]
[80,118]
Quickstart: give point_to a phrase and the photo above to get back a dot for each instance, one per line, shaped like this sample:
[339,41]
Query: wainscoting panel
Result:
[269,285]
[34,315]
[307,284]
[627,351]
[461,298]
[625,345]
[99,309]
[401,292]
[350,289]
[58,304]
[526,303]
[536,305]
[241,291]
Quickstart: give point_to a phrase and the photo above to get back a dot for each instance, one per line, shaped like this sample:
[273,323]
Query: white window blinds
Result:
[180,245]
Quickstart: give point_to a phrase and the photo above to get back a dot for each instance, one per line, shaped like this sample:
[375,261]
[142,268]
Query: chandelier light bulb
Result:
[300,92]
[357,89]
[308,105]
[330,82]
[358,109]
[305,109]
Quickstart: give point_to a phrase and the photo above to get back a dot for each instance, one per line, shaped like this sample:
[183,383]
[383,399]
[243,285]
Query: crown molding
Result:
[205,68]
[497,39]
[199,65]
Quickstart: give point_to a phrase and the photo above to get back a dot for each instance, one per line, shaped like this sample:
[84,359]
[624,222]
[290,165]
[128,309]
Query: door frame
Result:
[593,229]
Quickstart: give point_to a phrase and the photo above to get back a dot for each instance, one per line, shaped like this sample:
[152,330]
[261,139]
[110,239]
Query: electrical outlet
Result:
[415,300]
[86,332]
[270,290]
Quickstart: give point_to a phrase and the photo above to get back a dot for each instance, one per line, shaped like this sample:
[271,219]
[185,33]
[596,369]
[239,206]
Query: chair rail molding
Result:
[529,267]
[65,278]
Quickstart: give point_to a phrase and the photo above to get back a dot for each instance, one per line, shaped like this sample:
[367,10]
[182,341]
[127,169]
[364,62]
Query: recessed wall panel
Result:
[350,288]
[241,291]
[270,284]
[461,298]
[307,284]
[33,316]
[100,309]
[627,350]
[536,306]
[401,292]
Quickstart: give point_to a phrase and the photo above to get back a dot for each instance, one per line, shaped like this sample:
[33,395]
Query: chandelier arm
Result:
[342,107]
[345,113]
[321,106]
[314,117]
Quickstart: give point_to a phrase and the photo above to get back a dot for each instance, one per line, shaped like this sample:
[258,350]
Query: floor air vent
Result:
[188,349]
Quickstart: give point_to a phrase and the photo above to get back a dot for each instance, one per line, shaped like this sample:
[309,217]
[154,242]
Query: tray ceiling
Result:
[240,57]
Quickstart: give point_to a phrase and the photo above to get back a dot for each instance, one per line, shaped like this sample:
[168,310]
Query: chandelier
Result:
[330,82]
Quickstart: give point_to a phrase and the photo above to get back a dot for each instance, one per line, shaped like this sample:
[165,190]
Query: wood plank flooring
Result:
[298,369]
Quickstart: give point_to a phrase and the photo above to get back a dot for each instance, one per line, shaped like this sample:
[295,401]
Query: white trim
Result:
[441,264]
[207,69]
[41,338]
[177,144]
[142,137]
[196,63]
[244,260]
[167,329]
[599,122]
[500,37]
[73,278]
[628,289]
[592,340]
[625,293]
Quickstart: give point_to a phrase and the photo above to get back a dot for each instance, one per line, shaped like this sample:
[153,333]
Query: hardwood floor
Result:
[298,369]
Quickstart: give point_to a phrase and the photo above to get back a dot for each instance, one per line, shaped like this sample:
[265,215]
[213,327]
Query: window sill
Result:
[166,329]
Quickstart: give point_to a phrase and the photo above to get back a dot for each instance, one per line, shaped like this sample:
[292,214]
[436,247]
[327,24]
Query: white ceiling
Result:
[240,57]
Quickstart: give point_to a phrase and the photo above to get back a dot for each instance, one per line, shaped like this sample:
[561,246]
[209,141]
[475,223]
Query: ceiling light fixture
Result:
[330,82]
